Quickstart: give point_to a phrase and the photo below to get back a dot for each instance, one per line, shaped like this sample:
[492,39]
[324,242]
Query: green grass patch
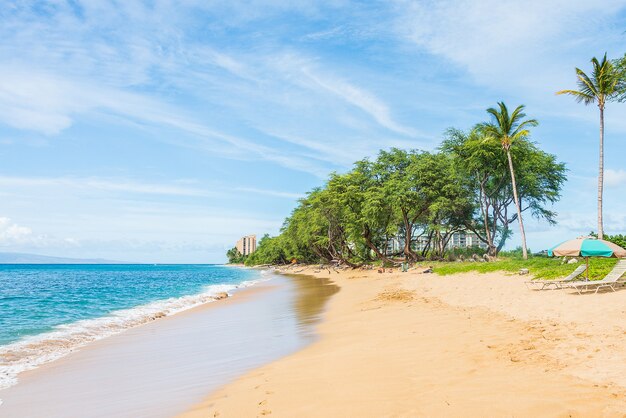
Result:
[540,267]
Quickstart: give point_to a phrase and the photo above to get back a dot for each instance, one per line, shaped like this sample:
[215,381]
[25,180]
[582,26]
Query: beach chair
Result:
[610,280]
[556,284]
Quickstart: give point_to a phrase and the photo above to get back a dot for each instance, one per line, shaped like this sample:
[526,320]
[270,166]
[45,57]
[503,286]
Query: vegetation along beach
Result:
[407,208]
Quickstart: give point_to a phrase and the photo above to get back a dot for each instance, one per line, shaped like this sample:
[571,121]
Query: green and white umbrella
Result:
[587,247]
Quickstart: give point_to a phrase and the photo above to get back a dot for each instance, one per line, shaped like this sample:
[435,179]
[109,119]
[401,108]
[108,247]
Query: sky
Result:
[162,131]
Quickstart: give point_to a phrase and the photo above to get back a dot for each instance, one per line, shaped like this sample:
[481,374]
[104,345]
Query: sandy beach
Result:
[411,344]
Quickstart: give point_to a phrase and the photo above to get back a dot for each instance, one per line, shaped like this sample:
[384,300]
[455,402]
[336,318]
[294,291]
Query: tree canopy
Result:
[417,200]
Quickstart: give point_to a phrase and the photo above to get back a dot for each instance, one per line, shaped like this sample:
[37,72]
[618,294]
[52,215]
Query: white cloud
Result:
[360,98]
[14,236]
[124,185]
[614,178]
[273,193]
[103,60]
[507,44]
[12,233]
[112,185]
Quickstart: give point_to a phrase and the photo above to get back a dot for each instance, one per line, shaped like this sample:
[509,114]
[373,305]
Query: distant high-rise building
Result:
[246,245]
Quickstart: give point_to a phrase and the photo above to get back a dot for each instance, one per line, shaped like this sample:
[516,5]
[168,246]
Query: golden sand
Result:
[410,345]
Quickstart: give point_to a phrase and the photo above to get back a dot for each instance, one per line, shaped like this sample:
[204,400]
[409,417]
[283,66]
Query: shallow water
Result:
[164,367]
[48,311]
[37,298]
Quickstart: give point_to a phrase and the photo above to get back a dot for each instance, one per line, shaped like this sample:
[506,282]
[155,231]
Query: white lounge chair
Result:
[610,280]
[556,284]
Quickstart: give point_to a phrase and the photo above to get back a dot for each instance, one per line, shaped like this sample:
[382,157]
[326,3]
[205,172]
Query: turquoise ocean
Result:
[48,311]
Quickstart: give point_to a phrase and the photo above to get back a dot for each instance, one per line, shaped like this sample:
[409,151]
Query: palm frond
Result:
[602,86]
[579,96]
[518,114]
[530,123]
[586,84]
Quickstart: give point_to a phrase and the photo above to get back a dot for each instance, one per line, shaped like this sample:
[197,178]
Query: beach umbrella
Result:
[587,247]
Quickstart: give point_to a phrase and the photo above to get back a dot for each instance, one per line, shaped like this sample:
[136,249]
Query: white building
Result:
[462,239]
[246,245]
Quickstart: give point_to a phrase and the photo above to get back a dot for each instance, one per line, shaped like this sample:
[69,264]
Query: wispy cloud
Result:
[615,178]
[125,185]
[505,42]
[92,184]
[14,236]
[273,193]
[12,233]
[360,98]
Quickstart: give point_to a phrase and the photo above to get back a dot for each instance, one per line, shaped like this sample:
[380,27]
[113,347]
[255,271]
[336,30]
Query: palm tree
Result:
[600,88]
[509,129]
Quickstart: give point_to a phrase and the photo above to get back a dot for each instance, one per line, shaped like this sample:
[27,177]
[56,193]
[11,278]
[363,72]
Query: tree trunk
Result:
[408,234]
[601,174]
[491,249]
[372,246]
[427,246]
[517,206]
[505,235]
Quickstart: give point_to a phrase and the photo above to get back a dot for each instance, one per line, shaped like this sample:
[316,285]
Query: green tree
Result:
[484,166]
[603,86]
[368,218]
[406,184]
[509,129]
[412,194]
[308,227]
[452,205]
[234,256]
[269,251]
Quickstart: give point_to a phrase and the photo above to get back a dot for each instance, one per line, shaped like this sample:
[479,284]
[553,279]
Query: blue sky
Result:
[161,131]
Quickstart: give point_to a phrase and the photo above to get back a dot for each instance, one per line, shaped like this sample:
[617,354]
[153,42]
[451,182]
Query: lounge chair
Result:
[546,284]
[610,280]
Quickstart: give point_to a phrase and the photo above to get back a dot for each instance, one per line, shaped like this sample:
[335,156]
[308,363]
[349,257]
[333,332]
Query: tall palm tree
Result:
[509,129]
[600,88]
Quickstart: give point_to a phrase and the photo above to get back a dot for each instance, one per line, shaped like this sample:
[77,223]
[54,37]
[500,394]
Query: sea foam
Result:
[33,351]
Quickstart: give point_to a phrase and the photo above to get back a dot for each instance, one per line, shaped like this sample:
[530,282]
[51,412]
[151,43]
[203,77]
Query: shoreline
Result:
[166,365]
[409,344]
[35,351]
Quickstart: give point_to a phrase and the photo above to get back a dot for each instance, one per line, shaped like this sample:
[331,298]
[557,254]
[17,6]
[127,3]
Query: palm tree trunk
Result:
[491,249]
[517,206]
[601,174]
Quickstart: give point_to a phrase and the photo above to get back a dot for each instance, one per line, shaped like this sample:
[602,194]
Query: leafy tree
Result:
[509,129]
[411,194]
[268,252]
[452,205]
[539,182]
[481,163]
[308,227]
[604,85]
[367,217]
[234,256]
[407,183]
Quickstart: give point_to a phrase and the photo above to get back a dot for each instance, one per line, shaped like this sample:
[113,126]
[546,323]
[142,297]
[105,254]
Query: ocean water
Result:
[48,311]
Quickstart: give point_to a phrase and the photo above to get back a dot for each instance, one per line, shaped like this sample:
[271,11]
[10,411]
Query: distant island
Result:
[24,258]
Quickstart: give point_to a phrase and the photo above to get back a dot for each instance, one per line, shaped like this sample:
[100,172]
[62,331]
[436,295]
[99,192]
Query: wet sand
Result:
[410,345]
[159,369]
